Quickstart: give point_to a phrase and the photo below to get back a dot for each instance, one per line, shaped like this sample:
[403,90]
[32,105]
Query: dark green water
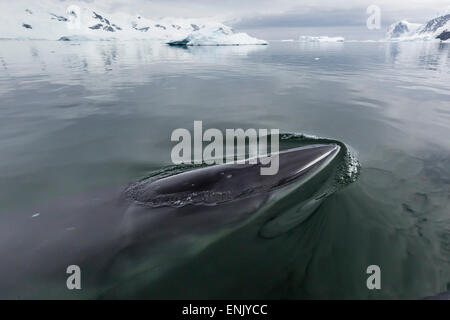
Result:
[79,121]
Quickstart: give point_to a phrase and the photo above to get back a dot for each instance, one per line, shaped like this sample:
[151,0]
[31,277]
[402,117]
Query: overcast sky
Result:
[265,15]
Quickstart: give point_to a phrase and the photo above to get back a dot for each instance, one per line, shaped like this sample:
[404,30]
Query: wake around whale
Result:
[124,245]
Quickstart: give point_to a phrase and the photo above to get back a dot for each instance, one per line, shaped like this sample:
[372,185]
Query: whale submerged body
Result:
[158,223]
[219,195]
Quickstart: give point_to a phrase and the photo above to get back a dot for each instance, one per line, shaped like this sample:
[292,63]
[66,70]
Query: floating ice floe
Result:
[320,39]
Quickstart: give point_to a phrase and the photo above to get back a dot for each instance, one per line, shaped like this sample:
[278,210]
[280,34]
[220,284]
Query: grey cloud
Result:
[319,18]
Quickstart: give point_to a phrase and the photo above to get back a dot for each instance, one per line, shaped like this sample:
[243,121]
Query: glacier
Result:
[56,20]
[437,29]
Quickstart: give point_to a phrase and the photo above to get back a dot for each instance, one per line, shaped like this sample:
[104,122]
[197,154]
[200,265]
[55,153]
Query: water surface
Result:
[83,120]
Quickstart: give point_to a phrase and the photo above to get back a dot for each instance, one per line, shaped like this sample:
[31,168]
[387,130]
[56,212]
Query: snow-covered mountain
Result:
[402,29]
[435,29]
[55,20]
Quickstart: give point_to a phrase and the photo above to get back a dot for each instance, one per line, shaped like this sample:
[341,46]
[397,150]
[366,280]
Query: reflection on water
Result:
[80,119]
[88,63]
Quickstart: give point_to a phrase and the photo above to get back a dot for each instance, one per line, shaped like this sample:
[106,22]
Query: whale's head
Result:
[228,182]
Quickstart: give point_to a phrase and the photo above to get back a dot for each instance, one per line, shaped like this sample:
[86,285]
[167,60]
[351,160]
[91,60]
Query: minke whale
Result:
[156,223]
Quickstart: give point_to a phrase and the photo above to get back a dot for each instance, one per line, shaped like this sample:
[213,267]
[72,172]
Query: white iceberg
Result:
[217,36]
[320,39]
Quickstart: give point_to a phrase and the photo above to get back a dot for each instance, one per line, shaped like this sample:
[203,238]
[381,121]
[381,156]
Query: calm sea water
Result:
[79,120]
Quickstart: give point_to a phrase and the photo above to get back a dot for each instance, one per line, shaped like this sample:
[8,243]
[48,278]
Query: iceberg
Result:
[320,39]
[217,36]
